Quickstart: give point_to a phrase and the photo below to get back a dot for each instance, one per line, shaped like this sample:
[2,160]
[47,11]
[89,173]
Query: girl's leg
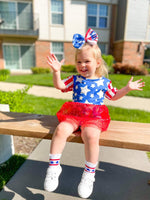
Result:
[90,137]
[63,130]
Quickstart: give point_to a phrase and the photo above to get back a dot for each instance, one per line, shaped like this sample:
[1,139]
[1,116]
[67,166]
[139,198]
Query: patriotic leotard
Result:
[88,101]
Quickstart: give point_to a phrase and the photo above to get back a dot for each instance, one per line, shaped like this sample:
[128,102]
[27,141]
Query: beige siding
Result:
[42,9]
[136,20]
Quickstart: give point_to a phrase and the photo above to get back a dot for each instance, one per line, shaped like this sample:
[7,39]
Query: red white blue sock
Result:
[54,160]
[90,167]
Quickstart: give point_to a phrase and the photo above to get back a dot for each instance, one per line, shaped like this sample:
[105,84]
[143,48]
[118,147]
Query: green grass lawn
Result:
[8,168]
[118,81]
[49,106]
[35,79]
[148,154]
[121,80]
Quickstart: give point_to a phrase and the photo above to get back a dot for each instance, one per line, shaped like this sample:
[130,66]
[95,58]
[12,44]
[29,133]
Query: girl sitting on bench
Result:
[87,111]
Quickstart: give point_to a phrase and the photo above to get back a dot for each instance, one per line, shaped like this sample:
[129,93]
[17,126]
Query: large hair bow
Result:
[91,37]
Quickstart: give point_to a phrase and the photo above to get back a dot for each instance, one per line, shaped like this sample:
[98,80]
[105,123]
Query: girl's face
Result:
[86,64]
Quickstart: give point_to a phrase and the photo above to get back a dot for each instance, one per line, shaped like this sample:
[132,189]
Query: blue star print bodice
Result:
[91,91]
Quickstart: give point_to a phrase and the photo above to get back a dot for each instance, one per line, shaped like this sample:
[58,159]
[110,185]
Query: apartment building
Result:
[29,29]
[132,37]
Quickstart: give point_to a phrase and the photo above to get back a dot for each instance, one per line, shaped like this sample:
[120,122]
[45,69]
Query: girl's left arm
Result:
[132,85]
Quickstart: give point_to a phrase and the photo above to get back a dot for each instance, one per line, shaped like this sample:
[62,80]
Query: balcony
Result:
[22,25]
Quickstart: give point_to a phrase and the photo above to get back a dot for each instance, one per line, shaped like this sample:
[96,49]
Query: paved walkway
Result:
[125,102]
[121,175]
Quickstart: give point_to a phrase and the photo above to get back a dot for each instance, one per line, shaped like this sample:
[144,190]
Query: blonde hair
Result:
[102,69]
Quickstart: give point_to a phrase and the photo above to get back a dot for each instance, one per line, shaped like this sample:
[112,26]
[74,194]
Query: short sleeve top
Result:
[90,91]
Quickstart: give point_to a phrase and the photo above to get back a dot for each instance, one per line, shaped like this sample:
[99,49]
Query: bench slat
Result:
[129,135]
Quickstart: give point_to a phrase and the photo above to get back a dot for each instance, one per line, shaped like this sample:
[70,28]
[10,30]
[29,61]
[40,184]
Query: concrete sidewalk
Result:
[125,102]
[121,175]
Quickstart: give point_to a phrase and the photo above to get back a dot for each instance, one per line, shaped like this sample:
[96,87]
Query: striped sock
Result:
[54,160]
[90,167]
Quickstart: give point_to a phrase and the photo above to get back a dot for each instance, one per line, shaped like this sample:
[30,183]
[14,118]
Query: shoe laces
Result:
[88,179]
[52,174]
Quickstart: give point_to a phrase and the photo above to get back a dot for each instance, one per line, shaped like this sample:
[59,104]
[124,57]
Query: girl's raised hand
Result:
[54,63]
[135,85]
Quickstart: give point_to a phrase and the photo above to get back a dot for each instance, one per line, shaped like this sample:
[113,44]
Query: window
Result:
[92,15]
[58,50]
[147,55]
[19,56]
[16,15]
[8,14]
[102,46]
[103,15]
[98,15]
[57,9]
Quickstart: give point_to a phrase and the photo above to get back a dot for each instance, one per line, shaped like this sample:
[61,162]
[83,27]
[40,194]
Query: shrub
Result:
[2,182]
[147,66]
[15,99]
[120,68]
[109,59]
[4,74]
[68,68]
[40,70]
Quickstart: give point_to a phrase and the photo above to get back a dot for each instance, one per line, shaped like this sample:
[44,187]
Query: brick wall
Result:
[118,51]
[128,52]
[42,49]
[69,52]
[1,57]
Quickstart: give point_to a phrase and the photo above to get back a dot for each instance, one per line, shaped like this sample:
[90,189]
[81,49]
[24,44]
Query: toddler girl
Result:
[87,111]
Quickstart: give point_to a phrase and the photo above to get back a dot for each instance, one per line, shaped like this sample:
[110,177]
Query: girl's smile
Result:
[86,64]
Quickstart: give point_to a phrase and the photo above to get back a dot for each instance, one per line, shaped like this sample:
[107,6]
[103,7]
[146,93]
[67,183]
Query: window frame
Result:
[105,47]
[20,57]
[98,16]
[16,6]
[60,53]
[58,13]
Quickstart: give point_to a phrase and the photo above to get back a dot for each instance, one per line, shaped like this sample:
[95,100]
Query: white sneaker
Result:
[51,181]
[85,187]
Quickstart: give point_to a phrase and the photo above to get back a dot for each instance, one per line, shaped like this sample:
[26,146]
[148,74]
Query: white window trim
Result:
[51,47]
[56,13]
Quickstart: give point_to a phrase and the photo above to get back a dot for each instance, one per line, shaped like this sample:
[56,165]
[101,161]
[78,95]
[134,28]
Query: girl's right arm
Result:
[56,67]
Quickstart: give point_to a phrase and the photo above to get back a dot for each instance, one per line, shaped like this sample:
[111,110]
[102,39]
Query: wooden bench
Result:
[129,135]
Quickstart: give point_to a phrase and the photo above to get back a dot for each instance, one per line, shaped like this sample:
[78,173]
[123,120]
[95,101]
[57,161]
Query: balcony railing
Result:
[24,23]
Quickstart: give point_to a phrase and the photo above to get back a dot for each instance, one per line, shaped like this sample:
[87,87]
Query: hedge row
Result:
[120,68]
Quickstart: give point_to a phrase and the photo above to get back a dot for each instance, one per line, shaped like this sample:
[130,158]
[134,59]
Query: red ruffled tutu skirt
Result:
[85,114]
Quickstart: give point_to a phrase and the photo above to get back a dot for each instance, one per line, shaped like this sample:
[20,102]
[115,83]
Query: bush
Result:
[15,99]
[68,68]
[147,66]
[109,59]
[120,68]
[2,182]
[40,70]
[4,74]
